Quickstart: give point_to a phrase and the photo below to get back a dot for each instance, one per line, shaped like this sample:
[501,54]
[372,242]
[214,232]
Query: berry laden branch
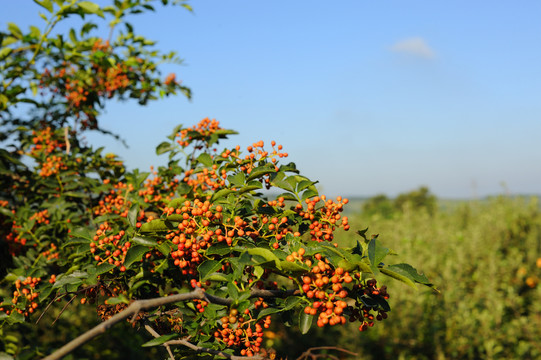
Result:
[140,305]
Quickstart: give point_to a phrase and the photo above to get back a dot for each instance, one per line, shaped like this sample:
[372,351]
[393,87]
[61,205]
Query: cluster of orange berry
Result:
[14,236]
[108,247]
[170,79]
[52,166]
[205,128]
[115,201]
[205,179]
[257,153]
[25,290]
[237,331]
[41,217]
[193,233]
[156,190]
[325,284]
[73,83]
[325,218]
[44,144]
[10,233]
[44,141]
[51,253]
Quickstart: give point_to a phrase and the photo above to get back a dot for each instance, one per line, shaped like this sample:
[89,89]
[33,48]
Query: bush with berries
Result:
[203,253]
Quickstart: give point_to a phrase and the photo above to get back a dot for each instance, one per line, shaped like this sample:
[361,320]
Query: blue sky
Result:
[366,97]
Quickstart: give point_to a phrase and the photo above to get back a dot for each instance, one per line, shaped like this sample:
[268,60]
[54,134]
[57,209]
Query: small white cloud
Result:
[416,46]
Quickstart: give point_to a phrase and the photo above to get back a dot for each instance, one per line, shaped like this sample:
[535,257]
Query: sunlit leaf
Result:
[160,340]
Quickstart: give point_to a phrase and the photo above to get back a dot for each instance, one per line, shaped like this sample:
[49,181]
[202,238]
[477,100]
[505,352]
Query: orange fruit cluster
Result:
[108,247]
[41,217]
[239,331]
[25,292]
[325,217]
[324,284]
[115,201]
[204,129]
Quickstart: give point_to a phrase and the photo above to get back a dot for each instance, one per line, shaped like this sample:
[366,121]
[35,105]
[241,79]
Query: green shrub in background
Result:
[485,257]
[383,206]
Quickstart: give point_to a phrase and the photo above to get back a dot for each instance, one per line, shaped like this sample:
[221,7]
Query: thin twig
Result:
[67,140]
[49,305]
[59,296]
[134,308]
[139,305]
[64,308]
[156,335]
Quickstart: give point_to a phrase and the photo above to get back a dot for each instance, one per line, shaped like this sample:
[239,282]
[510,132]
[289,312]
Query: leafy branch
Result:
[139,305]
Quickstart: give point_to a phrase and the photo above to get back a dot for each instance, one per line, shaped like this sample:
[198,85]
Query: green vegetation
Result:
[381,205]
[485,257]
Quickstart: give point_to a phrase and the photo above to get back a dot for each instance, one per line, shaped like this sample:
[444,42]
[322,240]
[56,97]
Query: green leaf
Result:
[268,311]
[71,279]
[376,252]
[144,241]
[261,171]
[266,254]
[294,266]
[45,4]
[258,271]
[86,29]
[409,272]
[164,248]
[221,193]
[15,318]
[3,101]
[253,185]
[237,180]
[135,253]
[232,291]
[305,322]
[160,340]
[103,268]
[120,299]
[82,232]
[291,302]
[205,159]
[207,268]
[183,189]
[309,193]
[132,214]
[90,8]
[219,249]
[282,184]
[45,292]
[403,278]
[14,30]
[164,147]
[177,203]
[157,226]
[5,52]
[73,36]
[303,184]
[75,241]
[219,277]
[354,262]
